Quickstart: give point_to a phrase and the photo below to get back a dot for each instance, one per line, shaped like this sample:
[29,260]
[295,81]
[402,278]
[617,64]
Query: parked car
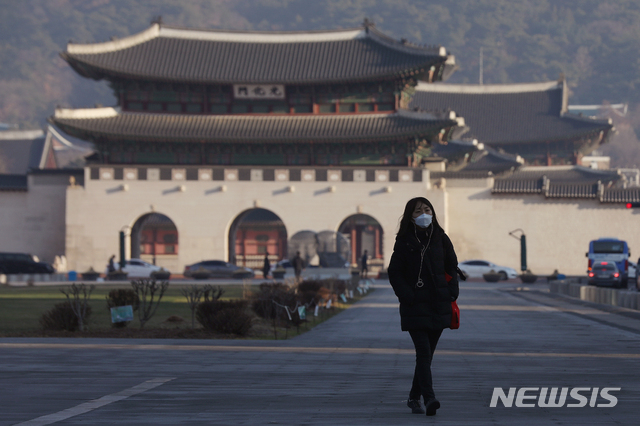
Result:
[23,263]
[137,268]
[476,268]
[219,269]
[284,263]
[605,273]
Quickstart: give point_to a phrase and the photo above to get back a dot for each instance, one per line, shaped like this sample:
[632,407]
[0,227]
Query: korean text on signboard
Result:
[258,91]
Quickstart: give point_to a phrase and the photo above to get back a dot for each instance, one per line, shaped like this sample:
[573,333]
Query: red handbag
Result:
[455,311]
[455,316]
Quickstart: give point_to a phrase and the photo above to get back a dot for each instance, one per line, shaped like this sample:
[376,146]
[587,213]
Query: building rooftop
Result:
[22,150]
[511,113]
[171,54]
[609,186]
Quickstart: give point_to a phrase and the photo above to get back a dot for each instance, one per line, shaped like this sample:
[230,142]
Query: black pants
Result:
[425,342]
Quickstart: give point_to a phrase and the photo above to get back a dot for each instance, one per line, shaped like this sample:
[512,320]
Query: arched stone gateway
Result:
[253,234]
[154,238]
[305,242]
[334,250]
[364,233]
[327,249]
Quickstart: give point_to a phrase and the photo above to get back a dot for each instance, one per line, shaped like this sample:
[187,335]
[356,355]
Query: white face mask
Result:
[424,220]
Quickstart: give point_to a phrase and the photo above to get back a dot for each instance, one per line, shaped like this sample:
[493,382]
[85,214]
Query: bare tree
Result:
[78,297]
[193,294]
[147,288]
[214,292]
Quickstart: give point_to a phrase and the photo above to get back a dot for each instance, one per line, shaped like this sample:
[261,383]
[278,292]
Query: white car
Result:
[476,268]
[136,268]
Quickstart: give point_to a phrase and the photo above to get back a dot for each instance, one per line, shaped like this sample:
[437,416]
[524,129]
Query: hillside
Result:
[595,44]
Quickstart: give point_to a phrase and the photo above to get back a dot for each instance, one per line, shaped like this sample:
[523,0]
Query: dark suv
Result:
[22,263]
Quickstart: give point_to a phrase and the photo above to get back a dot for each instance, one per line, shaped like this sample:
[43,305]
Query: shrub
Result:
[62,317]
[224,316]
[263,302]
[309,292]
[146,290]
[78,298]
[122,297]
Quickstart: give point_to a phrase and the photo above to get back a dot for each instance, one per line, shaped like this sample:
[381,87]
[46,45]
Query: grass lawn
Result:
[22,307]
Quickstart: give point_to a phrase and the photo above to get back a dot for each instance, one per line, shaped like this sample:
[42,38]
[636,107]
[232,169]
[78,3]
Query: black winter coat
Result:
[427,307]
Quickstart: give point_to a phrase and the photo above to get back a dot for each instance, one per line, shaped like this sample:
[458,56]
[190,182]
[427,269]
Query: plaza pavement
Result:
[354,369]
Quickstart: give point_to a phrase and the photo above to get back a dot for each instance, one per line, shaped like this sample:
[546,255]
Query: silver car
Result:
[136,268]
[476,268]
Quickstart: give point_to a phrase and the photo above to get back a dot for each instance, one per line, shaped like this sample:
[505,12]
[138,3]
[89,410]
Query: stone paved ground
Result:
[353,369]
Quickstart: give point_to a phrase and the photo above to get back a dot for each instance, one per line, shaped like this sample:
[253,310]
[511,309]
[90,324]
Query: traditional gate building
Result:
[210,125]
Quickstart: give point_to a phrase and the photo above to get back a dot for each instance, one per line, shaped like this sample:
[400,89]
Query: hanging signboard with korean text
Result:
[258,91]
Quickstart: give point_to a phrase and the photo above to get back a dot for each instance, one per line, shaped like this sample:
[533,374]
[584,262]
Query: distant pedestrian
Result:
[423,275]
[363,265]
[112,264]
[298,265]
[266,267]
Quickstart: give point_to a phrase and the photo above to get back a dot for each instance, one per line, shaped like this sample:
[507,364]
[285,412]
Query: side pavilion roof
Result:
[113,124]
[170,54]
[509,113]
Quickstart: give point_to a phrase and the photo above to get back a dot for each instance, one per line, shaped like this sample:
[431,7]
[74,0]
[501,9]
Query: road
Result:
[354,369]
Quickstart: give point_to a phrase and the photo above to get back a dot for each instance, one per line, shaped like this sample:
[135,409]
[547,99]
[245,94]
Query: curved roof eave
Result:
[552,139]
[69,121]
[263,37]
[486,89]
[369,54]
[90,71]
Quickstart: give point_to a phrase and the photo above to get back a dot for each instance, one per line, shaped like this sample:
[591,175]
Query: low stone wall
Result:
[31,278]
[629,299]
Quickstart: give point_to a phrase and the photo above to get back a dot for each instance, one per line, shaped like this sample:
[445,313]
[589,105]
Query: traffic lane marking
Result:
[522,308]
[96,403]
[290,349]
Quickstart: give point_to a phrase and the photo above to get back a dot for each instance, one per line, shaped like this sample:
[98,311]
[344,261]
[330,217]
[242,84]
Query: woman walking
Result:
[423,274]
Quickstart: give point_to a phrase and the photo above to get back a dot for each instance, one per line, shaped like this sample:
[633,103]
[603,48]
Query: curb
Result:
[629,299]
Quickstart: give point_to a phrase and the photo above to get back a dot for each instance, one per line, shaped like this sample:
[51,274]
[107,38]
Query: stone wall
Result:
[34,221]
[203,210]
[558,230]
[83,222]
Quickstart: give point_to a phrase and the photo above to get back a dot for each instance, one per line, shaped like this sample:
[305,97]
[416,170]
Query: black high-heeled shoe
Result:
[432,405]
[415,406]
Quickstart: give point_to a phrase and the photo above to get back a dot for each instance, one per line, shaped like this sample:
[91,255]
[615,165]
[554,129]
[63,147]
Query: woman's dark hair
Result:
[406,221]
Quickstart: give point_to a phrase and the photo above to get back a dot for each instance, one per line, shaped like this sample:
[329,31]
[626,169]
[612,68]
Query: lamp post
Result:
[523,247]
[122,244]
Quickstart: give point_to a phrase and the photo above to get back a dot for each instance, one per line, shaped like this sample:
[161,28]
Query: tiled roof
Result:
[621,195]
[508,114]
[462,174]
[13,182]
[493,161]
[564,182]
[163,53]
[112,123]
[21,151]
[453,150]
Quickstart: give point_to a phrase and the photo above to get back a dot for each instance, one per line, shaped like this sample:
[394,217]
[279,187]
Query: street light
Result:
[122,251]
[523,248]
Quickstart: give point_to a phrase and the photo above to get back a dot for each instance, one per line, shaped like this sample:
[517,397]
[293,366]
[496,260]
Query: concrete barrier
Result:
[623,298]
[13,279]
